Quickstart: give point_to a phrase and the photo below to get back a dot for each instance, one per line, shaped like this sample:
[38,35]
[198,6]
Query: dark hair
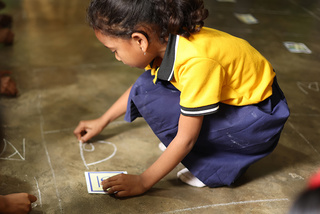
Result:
[124,17]
[308,202]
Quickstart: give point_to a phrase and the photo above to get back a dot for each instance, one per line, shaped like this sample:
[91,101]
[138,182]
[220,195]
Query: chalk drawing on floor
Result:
[234,203]
[83,147]
[39,195]
[296,176]
[44,144]
[308,86]
[304,138]
[14,154]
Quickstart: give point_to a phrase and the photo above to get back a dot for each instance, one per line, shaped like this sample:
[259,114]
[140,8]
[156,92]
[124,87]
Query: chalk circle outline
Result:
[82,148]
[88,150]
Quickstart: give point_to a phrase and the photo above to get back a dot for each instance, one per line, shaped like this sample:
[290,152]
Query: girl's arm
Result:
[90,128]
[181,145]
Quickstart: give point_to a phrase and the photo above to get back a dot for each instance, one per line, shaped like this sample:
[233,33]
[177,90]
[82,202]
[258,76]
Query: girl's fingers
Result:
[115,189]
[82,126]
[82,134]
[77,132]
[113,180]
[86,137]
[32,198]
[118,186]
[111,185]
[122,194]
[106,185]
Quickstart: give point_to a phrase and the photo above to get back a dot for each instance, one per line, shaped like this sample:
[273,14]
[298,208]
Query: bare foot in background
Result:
[8,86]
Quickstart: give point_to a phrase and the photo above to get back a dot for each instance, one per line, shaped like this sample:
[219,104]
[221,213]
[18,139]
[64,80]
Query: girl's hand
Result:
[124,185]
[88,129]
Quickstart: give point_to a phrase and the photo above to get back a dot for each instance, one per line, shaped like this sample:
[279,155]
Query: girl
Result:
[211,98]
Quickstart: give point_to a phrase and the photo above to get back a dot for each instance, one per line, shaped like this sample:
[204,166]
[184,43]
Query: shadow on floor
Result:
[280,159]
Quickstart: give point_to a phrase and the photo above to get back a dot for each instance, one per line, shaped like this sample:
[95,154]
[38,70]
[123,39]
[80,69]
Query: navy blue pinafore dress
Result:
[230,140]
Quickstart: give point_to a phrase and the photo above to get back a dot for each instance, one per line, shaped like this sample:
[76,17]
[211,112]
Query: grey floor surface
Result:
[65,75]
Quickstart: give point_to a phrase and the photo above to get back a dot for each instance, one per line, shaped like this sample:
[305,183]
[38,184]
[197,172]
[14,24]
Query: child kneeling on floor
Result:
[211,98]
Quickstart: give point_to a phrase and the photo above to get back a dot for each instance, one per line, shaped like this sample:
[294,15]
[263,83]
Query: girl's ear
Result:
[141,40]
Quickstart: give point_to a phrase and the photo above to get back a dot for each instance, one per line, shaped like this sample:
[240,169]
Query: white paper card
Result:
[94,180]
[295,47]
[246,18]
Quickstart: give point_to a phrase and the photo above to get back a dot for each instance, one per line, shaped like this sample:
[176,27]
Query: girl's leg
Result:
[236,137]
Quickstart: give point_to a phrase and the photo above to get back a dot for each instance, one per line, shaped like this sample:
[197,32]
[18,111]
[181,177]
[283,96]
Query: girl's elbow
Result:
[189,143]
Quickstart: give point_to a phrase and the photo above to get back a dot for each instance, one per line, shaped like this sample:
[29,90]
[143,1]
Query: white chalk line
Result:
[308,11]
[22,157]
[226,204]
[39,193]
[88,150]
[24,148]
[296,176]
[105,159]
[4,147]
[47,153]
[81,154]
[304,138]
[82,145]
[312,86]
[58,131]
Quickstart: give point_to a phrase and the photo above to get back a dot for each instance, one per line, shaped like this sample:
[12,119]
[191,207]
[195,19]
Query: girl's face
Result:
[126,50]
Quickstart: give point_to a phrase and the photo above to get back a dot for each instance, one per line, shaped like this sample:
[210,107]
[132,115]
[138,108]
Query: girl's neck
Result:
[160,49]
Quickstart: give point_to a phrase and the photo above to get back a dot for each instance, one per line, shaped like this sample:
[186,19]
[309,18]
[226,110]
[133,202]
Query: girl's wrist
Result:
[147,181]
[105,120]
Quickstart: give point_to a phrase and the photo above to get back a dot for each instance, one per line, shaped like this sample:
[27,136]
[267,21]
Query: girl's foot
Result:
[162,147]
[185,176]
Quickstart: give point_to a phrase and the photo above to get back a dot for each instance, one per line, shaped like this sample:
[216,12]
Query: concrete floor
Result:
[65,75]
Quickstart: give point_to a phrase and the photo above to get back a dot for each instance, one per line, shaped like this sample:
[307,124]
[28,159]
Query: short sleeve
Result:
[201,81]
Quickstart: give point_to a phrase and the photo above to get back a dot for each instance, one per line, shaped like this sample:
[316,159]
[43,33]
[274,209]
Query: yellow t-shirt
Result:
[211,67]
